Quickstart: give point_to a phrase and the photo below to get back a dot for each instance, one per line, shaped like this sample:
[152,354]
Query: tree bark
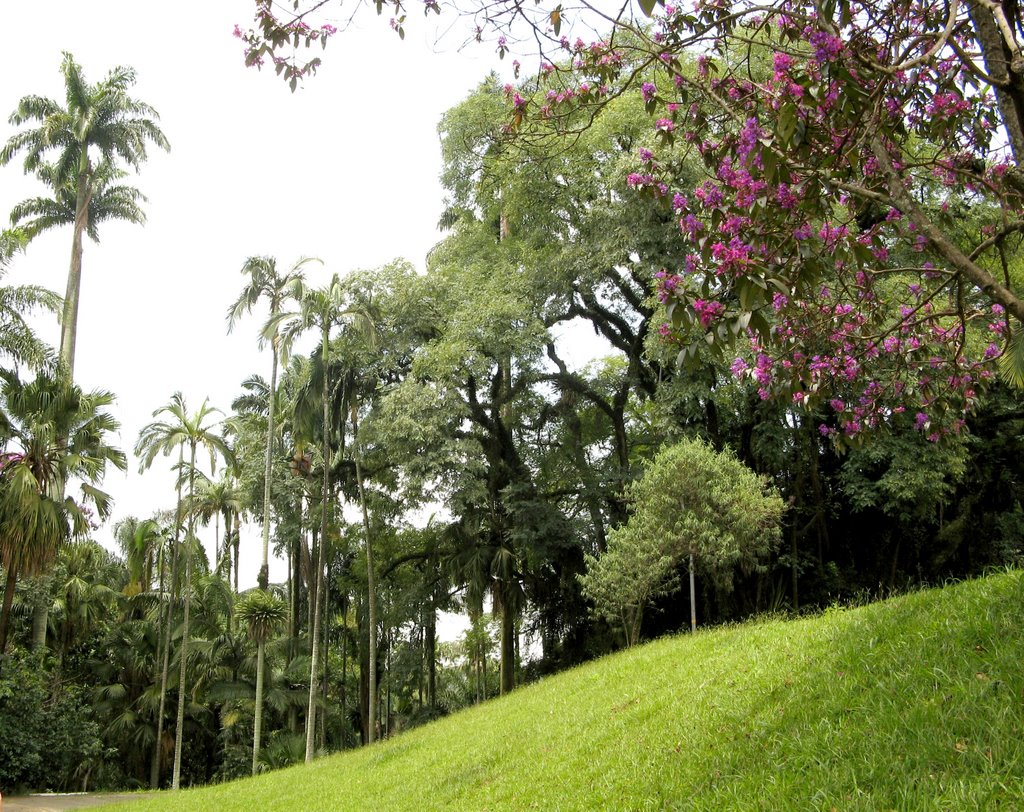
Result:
[41,614]
[999,64]
[179,732]
[166,667]
[371,588]
[315,598]
[257,723]
[5,614]
[431,652]
[69,319]
[264,576]
[508,650]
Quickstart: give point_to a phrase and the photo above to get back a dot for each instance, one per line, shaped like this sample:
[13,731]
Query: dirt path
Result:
[60,802]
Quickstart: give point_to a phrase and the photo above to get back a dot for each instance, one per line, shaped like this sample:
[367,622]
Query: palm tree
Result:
[53,432]
[180,430]
[263,614]
[216,499]
[108,201]
[141,543]
[85,596]
[18,341]
[266,282]
[323,309]
[99,127]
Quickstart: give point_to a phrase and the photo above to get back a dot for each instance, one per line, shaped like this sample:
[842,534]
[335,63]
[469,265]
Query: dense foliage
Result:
[463,394]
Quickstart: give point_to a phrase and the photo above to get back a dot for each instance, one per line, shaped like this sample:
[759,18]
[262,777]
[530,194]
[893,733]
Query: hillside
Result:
[913,703]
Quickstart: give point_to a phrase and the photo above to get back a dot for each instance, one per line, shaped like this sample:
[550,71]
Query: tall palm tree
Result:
[182,429]
[53,432]
[321,309]
[99,126]
[265,282]
[263,614]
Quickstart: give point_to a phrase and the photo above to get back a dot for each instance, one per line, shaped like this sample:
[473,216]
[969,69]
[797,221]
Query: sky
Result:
[344,169]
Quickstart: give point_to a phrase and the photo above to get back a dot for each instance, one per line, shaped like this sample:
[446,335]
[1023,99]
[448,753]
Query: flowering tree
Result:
[862,203]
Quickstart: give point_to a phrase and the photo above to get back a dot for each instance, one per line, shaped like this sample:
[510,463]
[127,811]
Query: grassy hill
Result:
[914,703]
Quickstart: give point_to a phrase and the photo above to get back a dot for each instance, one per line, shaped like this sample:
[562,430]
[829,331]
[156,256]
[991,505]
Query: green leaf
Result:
[787,124]
[647,6]
[1011,363]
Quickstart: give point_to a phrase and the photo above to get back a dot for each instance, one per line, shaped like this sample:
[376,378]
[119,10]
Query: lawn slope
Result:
[914,703]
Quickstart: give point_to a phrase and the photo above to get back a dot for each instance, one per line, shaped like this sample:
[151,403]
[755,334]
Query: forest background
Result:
[456,387]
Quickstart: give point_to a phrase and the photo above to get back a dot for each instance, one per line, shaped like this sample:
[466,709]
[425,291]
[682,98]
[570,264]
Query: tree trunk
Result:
[693,599]
[5,614]
[325,654]
[294,577]
[315,598]
[344,668]
[257,723]
[169,629]
[371,588]
[508,649]
[41,614]
[999,64]
[179,732]
[69,319]
[264,576]
[431,646]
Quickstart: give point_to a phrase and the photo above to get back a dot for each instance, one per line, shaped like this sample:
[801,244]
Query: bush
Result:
[49,739]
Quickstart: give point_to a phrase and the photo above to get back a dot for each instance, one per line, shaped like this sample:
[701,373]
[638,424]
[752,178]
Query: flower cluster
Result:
[810,244]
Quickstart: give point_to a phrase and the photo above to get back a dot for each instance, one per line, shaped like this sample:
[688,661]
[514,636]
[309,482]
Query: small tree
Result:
[694,504]
[263,614]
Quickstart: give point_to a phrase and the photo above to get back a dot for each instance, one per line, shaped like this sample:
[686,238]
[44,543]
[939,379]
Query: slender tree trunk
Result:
[217,556]
[41,613]
[315,647]
[69,320]
[325,656]
[311,591]
[371,587]
[228,527]
[5,613]
[693,599]
[182,693]
[421,643]
[387,684]
[257,724]
[431,634]
[264,576]
[166,667]
[344,666]
[794,572]
[483,672]
[154,762]
[294,578]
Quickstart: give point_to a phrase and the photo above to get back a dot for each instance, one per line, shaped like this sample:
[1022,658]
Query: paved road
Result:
[58,803]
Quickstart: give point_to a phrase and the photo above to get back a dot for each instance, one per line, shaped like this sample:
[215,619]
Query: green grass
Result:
[914,703]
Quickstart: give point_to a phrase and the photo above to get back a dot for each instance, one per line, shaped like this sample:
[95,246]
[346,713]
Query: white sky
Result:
[345,169]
